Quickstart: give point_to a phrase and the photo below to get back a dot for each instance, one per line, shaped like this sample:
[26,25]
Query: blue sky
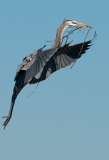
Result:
[68,116]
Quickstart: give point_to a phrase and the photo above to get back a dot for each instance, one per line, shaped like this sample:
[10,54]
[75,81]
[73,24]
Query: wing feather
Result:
[32,64]
[63,57]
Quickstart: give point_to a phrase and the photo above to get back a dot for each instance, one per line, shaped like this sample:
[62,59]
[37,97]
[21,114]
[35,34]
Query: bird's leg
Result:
[16,91]
[14,96]
[9,115]
[6,121]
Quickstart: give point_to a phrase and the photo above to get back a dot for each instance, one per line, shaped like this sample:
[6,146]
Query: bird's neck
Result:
[59,34]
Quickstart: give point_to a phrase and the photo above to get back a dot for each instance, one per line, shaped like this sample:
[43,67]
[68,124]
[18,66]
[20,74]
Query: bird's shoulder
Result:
[27,61]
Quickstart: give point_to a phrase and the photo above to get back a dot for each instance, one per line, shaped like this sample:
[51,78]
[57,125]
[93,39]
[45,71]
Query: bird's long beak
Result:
[79,24]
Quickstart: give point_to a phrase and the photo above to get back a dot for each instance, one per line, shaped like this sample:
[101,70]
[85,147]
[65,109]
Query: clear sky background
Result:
[68,116]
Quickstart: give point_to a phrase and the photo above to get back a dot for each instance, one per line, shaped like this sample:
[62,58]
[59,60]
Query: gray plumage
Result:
[33,63]
[41,63]
[63,57]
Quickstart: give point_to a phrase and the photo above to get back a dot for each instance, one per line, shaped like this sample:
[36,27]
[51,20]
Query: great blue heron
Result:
[41,63]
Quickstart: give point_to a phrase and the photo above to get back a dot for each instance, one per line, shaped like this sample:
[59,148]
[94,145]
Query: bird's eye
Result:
[74,22]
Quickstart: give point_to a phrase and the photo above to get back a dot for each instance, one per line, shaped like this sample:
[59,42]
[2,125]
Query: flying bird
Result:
[41,63]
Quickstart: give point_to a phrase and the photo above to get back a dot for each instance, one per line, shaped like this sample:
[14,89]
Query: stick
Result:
[81,48]
[33,91]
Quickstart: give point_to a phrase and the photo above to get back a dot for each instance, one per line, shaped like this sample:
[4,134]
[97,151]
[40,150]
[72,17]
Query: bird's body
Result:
[40,64]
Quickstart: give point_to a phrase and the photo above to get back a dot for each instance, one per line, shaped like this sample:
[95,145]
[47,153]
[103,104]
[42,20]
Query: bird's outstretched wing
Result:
[63,57]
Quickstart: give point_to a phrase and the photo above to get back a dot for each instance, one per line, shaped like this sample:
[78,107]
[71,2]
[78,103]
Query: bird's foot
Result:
[6,121]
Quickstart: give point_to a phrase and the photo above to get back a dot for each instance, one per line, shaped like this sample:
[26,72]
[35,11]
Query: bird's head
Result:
[72,23]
